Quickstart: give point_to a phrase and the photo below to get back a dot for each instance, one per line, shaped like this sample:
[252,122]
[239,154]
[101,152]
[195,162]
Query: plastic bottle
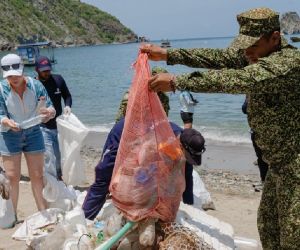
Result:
[31,122]
[170,149]
[147,232]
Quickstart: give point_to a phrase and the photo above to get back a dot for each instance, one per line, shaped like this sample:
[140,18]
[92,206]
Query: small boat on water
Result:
[165,43]
[295,39]
[31,51]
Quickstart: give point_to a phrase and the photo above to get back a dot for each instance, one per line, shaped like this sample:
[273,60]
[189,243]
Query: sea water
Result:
[97,77]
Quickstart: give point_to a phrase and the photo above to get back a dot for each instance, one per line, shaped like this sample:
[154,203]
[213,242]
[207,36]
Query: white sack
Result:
[7,213]
[201,195]
[71,133]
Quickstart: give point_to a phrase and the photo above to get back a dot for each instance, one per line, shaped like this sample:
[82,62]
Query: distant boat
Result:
[31,51]
[165,43]
[295,39]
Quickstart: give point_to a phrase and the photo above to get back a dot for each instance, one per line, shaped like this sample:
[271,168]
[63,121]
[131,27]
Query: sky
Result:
[179,19]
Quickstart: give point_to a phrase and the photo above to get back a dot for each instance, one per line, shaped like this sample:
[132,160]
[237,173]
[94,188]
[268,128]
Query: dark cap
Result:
[193,143]
[43,63]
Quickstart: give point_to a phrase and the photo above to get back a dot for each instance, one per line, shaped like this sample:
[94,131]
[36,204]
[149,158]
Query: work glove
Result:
[67,110]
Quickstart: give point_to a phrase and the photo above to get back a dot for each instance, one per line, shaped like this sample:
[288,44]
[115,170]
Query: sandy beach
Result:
[227,171]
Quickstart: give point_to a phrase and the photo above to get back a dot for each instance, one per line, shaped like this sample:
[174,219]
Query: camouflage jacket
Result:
[272,86]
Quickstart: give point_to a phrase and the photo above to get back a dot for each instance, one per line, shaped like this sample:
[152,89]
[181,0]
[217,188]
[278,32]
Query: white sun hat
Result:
[12,65]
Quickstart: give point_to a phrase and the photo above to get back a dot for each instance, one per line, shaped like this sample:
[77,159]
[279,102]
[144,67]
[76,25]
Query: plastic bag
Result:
[57,194]
[71,133]
[30,229]
[202,198]
[7,213]
[148,178]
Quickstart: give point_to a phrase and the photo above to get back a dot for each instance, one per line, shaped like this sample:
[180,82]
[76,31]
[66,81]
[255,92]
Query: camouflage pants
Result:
[279,210]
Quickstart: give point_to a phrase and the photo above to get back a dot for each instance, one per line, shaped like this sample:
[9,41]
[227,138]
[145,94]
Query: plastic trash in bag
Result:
[71,133]
[148,178]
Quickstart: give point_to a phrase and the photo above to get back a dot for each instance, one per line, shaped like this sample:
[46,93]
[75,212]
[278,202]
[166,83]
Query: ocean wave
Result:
[216,134]
[103,128]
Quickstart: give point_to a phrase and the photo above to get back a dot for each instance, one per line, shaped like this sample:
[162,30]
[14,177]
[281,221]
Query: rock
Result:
[290,23]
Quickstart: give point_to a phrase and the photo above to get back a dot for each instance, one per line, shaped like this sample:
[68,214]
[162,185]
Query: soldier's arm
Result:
[207,58]
[254,78]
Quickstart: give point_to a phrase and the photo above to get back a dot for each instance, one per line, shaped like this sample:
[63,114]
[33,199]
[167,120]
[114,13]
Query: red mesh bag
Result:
[148,178]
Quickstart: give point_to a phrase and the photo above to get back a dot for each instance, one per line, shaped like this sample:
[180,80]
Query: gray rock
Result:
[290,23]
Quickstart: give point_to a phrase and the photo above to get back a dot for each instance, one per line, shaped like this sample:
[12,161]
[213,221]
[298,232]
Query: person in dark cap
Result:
[261,64]
[96,196]
[57,90]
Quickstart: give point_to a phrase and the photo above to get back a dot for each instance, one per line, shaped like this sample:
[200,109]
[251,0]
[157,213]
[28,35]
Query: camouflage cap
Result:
[157,70]
[254,24]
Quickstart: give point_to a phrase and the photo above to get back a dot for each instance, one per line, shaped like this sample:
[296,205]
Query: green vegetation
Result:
[64,22]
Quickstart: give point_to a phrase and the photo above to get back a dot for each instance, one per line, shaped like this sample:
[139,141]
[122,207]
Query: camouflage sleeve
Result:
[207,58]
[255,78]
[123,106]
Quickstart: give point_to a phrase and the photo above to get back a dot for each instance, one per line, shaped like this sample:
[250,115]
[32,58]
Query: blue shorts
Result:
[26,140]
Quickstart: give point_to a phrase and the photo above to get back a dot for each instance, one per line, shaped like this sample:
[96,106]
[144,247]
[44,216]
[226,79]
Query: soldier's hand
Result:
[155,52]
[162,82]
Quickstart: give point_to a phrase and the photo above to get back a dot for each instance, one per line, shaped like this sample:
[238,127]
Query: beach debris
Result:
[114,223]
[38,225]
[178,237]
[130,242]
[146,229]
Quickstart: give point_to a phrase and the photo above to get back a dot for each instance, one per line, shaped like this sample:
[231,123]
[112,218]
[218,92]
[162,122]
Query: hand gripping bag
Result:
[148,178]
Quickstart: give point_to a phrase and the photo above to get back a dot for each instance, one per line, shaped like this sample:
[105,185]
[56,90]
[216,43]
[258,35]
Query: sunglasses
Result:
[194,152]
[9,67]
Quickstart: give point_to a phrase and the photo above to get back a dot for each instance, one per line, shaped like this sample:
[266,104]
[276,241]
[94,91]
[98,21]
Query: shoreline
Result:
[236,157]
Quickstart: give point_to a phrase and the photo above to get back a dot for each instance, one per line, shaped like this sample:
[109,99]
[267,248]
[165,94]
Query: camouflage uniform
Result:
[273,87]
[162,96]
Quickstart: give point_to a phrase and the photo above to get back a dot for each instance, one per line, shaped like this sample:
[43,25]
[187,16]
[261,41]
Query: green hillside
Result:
[65,22]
